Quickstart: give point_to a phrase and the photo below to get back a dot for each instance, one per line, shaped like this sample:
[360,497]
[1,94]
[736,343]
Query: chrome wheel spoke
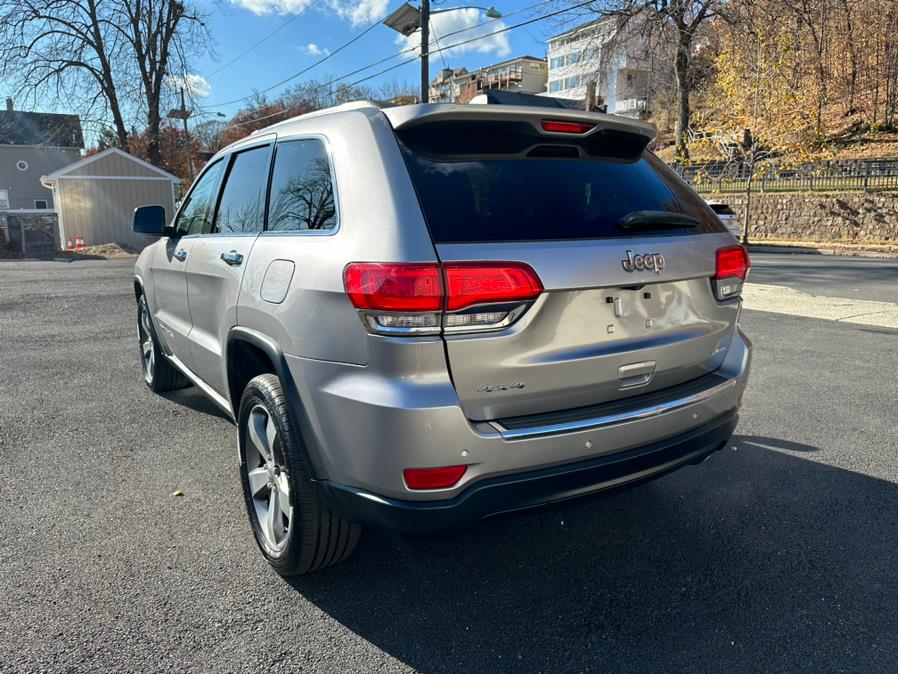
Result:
[269,520]
[284,494]
[271,433]
[258,480]
[258,422]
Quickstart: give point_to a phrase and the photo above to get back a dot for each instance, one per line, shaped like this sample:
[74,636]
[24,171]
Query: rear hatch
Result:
[624,250]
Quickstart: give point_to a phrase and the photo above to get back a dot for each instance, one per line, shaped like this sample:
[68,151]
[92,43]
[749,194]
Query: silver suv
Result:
[422,316]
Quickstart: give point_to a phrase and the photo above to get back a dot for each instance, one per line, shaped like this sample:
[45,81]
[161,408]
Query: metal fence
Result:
[860,175]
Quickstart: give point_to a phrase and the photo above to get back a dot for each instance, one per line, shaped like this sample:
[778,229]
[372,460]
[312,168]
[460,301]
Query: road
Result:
[778,554]
[831,275]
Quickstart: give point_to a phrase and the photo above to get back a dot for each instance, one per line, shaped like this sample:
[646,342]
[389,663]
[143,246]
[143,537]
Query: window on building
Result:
[4,199]
[41,204]
[573,57]
[240,209]
[554,85]
[557,62]
[571,82]
[302,188]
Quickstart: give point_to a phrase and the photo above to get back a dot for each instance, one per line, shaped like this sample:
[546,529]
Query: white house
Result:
[598,51]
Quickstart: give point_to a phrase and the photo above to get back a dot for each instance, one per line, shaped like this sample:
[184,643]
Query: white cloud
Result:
[357,12]
[195,84]
[444,24]
[361,11]
[273,6]
[313,49]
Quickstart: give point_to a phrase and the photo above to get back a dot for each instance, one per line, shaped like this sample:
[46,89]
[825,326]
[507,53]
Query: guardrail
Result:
[862,175]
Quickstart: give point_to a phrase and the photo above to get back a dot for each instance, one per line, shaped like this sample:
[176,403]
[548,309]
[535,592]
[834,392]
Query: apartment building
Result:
[598,51]
[524,74]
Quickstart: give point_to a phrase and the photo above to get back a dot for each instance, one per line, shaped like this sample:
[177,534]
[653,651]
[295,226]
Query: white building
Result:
[597,51]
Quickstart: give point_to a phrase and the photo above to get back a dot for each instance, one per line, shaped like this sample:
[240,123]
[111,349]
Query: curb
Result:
[808,250]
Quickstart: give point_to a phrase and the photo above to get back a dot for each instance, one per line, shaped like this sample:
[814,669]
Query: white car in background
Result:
[727,216]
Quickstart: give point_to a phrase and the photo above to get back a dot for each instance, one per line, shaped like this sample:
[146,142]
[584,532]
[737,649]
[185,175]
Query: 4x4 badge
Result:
[653,261]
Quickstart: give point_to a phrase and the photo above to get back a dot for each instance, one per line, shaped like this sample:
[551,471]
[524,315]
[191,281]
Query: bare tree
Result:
[109,56]
[675,22]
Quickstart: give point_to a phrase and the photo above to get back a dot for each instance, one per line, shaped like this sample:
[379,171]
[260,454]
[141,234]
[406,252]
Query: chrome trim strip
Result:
[619,418]
[201,385]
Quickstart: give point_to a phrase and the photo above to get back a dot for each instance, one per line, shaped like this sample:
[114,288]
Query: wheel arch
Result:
[251,353]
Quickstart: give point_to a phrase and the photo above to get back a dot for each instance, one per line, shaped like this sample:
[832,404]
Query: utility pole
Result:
[187,137]
[408,19]
[425,51]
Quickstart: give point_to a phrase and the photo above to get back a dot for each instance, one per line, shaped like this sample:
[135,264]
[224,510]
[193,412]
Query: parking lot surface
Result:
[777,554]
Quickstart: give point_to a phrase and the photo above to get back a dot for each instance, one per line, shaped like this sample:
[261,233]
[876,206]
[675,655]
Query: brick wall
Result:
[830,217]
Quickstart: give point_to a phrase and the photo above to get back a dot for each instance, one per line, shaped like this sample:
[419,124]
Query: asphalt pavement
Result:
[830,275]
[778,554]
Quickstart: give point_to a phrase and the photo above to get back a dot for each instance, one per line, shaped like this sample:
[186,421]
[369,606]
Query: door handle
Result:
[232,258]
[180,254]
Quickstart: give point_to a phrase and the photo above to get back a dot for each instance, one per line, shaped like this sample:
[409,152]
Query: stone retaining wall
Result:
[852,217]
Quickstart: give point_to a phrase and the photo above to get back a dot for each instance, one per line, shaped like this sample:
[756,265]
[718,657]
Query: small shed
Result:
[96,197]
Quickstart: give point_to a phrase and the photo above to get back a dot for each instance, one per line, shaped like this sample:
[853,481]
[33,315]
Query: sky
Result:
[308,30]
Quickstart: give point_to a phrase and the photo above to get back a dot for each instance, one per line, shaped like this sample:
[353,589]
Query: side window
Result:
[302,188]
[195,216]
[242,200]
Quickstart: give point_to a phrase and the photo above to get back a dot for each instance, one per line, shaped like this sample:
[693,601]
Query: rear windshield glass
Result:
[722,209]
[545,191]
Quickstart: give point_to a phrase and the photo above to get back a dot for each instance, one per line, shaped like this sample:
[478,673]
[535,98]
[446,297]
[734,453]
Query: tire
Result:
[296,532]
[158,373]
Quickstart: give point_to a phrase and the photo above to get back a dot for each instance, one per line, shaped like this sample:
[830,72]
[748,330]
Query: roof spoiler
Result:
[413,116]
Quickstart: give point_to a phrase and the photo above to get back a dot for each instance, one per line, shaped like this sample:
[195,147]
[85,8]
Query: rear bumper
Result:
[530,489]
[365,427]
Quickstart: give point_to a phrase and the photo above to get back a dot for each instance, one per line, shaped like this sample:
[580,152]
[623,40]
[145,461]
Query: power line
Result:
[415,58]
[391,56]
[304,70]
[256,44]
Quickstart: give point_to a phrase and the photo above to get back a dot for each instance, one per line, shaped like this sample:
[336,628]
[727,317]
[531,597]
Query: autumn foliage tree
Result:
[792,69]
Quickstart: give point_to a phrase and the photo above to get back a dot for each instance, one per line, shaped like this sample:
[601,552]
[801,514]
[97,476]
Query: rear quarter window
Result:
[542,190]
[302,188]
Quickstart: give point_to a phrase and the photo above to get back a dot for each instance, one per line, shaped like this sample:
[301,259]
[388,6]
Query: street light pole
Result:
[425,51]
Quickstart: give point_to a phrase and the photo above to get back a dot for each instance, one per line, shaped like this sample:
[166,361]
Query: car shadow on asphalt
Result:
[762,557]
[195,399]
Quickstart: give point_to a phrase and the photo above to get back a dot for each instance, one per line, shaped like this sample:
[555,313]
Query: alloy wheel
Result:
[147,349]
[267,478]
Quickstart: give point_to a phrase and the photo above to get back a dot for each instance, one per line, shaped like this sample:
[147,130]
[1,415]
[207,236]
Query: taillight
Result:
[469,283]
[558,126]
[423,298]
[394,287]
[730,271]
[433,478]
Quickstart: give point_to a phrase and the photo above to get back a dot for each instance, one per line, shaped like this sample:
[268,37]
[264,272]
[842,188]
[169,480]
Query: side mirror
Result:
[150,220]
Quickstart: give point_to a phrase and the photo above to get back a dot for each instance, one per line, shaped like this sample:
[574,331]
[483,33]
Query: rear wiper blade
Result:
[656,220]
